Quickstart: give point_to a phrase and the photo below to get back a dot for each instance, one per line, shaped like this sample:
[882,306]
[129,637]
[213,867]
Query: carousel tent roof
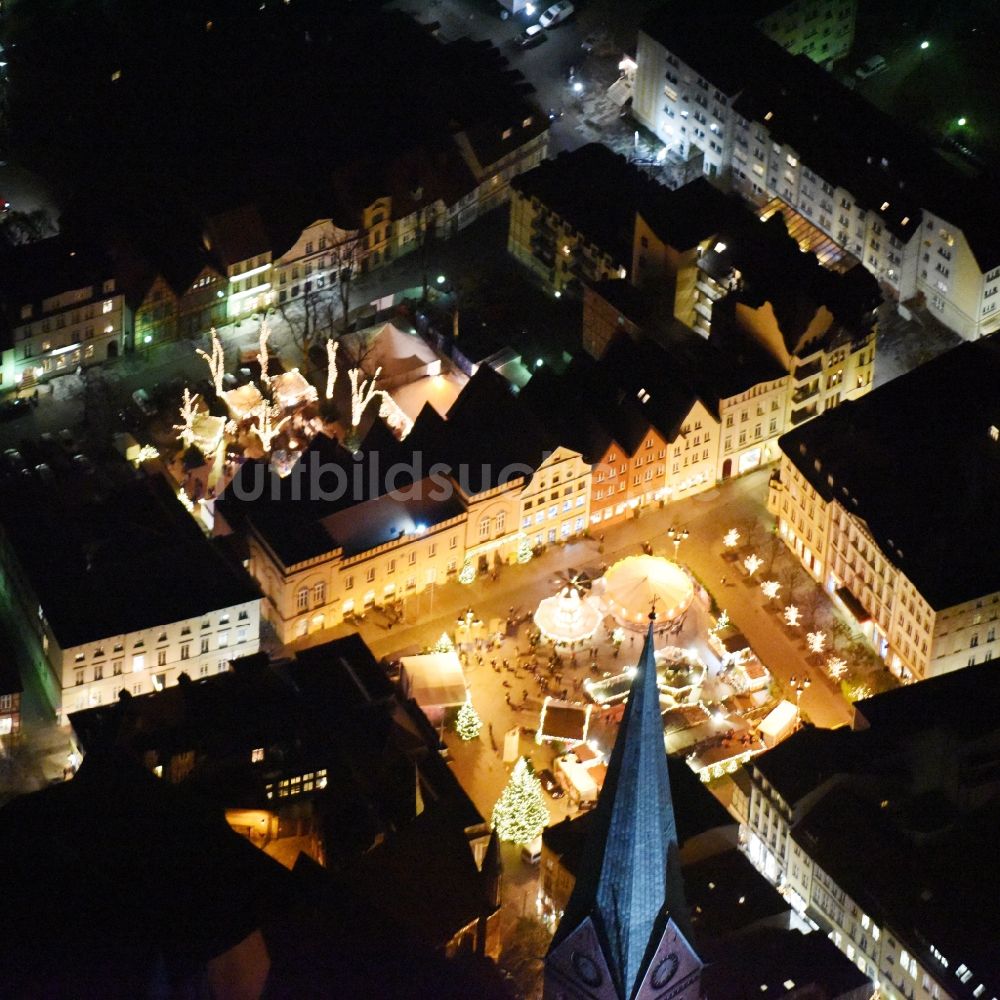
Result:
[242,400]
[291,388]
[637,583]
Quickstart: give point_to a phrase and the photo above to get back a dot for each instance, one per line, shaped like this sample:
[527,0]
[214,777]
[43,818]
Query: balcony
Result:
[543,224]
[805,392]
[806,413]
[808,370]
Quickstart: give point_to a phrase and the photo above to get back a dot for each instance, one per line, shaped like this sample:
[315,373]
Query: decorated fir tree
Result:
[467,573]
[524,550]
[468,723]
[520,815]
[443,645]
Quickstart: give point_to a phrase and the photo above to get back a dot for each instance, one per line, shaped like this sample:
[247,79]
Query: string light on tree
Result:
[189,410]
[752,563]
[362,393]
[185,500]
[721,623]
[262,356]
[331,367]
[467,573]
[770,589]
[468,724]
[836,667]
[216,362]
[792,616]
[731,539]
[519,815]
[816,641]
[268,427]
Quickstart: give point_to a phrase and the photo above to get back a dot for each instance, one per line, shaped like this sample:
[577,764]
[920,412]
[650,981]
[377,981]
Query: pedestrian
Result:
[723,581]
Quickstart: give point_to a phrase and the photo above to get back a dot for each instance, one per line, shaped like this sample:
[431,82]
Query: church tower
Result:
[625,932]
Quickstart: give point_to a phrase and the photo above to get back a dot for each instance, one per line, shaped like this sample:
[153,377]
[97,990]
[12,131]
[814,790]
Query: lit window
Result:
[107,306]
[256,755]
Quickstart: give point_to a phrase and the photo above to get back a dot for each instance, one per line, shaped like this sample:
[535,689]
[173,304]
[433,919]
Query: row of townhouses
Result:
[65,305]
[713,331]
[775,125]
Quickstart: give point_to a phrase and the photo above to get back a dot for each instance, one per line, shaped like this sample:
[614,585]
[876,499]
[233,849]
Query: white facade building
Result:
[775,126]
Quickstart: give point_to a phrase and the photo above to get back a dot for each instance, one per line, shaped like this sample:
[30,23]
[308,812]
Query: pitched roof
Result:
[629,881]
[120,878]
[931,509]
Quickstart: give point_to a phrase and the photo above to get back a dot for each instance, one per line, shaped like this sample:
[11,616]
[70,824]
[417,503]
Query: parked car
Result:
[533,35]
[44,472]
[141,399]
[556,14]
[14,460]
[870,67]
[532,853]
[83,464]
[549,783]
[66,438]
[14,408]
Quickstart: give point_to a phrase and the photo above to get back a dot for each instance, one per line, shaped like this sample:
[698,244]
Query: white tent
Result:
[779,723]
[434,680]
[403,357]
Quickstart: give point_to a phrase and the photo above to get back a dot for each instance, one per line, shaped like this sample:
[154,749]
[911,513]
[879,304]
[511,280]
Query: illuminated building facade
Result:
[63,309]
[774,126]
[139,596]
[901,536]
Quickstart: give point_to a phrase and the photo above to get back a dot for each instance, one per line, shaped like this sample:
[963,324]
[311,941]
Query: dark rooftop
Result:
[134,560]
[726,895]
[938,889]
[120,879]
[930,509]
[424,878]
[596,192]
[770,962]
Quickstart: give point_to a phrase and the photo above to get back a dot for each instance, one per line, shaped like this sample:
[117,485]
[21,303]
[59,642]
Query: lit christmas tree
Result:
[524,550]
[520,814]
[731,538]
[443,645]
[468,723]
[467,573]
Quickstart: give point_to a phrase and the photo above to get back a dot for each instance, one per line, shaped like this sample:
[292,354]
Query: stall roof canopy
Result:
[434,679]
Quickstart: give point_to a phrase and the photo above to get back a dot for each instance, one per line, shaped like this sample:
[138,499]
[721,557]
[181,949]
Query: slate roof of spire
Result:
[629,881]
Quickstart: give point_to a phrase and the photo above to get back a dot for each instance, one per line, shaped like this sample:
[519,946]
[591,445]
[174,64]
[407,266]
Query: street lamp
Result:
[798,685]
[925,45]
[677,535]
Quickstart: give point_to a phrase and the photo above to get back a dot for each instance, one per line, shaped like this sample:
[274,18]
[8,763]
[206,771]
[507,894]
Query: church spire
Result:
[628,886]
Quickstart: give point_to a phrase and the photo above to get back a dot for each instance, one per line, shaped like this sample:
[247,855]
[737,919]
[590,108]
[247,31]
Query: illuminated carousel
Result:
[635,584]
[568,617]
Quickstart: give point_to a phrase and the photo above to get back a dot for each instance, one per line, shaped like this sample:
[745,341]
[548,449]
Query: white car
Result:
[556,14]
[871,67]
